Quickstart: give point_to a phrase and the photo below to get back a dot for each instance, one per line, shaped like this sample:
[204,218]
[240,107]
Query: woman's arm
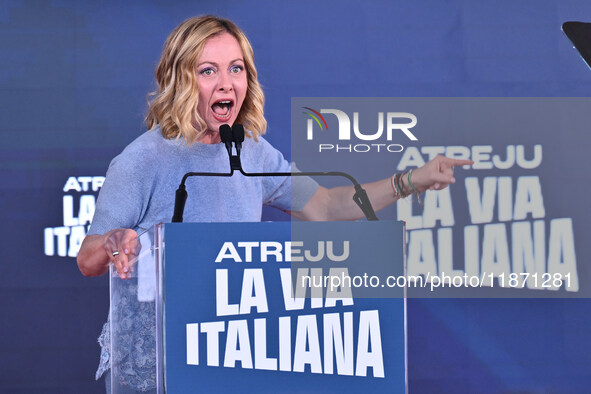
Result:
[337,203]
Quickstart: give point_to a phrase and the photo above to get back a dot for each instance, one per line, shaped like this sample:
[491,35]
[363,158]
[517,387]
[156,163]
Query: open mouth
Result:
[222,109]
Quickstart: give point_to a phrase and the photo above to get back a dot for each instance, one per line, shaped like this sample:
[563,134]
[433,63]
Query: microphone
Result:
[226,136]
[238,137]
[179,203]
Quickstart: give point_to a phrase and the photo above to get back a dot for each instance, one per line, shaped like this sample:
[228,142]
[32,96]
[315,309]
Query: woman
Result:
[206,77]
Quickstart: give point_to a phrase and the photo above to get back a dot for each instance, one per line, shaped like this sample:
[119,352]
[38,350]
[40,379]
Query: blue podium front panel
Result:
[233,324]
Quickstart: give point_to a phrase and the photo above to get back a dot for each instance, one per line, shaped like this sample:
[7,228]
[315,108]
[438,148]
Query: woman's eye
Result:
[207,71]
[236,69]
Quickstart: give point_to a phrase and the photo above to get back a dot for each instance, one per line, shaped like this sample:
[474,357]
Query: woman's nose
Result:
[225,82]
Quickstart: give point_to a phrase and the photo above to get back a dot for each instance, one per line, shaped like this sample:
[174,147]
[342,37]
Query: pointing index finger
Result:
[458,162]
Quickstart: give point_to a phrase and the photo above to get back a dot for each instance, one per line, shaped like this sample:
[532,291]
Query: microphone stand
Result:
[360,197]
[181,193]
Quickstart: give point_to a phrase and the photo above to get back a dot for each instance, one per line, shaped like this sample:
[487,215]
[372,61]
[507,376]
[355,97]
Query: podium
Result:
[262,307]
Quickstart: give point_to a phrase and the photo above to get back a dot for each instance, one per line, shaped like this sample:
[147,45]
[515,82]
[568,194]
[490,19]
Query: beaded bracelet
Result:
[413,188]
[394,189]
[410,183]
[400,186]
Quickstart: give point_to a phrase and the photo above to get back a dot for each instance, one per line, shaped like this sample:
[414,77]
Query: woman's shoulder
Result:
[146,148]
[260,144]
[149,142]
[265,154]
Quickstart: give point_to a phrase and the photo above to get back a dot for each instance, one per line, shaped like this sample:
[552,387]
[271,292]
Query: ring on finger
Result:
[115,253]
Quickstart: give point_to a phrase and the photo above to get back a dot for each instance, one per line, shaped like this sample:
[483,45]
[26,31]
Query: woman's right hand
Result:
[119,246]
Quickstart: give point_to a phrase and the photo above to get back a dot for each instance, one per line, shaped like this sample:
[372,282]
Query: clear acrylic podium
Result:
[219,307]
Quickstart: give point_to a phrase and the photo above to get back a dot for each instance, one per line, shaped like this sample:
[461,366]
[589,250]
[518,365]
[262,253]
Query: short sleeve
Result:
[124,196]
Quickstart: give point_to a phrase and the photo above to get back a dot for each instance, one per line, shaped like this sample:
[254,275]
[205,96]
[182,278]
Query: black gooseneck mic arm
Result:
[236,134]
[360,197]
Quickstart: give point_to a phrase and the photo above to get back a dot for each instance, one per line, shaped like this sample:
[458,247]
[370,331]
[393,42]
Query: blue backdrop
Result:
[74,80]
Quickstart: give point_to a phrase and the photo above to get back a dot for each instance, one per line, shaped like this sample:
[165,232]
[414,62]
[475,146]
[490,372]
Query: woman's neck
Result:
[210,137]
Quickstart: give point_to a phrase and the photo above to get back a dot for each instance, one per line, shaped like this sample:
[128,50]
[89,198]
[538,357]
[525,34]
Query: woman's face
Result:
[222,83]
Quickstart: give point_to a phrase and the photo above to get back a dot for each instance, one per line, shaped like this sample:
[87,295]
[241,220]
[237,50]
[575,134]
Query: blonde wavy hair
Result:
[173,105]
